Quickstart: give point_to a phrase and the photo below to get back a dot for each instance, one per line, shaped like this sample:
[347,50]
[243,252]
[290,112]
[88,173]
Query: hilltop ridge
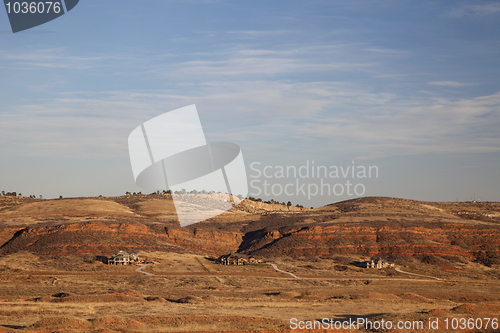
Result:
[371,226]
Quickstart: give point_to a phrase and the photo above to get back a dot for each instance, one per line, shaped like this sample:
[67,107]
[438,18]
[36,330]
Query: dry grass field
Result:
[189,292]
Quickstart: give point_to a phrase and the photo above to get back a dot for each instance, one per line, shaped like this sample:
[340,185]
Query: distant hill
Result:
[371,226]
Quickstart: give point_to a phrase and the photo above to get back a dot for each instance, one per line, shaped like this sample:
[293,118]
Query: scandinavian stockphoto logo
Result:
[170,152]
[28,14]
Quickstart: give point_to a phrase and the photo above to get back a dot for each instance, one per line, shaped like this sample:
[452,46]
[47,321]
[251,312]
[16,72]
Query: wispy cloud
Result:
[413,127]
[55,58]
[241,66]
[256,95]
[389,52]
[476,11]
[246,62]
[261,33]
[314,116]
[236,62]
[451,84]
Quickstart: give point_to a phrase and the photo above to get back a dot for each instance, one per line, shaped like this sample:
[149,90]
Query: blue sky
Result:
[409,86]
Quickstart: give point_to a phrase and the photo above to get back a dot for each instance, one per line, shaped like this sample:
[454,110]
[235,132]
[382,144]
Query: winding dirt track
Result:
[141,271]
[398,269]
[279,270]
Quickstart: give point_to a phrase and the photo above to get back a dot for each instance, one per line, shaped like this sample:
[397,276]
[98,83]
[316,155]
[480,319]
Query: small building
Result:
[378,263]
[233,259]
[123,258]
[252,260]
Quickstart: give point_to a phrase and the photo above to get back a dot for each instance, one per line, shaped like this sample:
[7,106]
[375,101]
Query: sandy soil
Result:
[187,285]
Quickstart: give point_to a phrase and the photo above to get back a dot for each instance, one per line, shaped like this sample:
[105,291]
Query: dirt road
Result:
[398,269]
[279,270]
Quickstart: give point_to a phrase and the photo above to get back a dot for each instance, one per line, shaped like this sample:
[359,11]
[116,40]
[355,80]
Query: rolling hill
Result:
[372,226]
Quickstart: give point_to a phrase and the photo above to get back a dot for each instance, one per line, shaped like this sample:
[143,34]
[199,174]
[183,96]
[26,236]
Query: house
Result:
[232,259]
[378,263]
[252,260]
[123,258]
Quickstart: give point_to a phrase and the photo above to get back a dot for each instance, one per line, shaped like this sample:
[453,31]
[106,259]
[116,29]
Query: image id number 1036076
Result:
[33,7]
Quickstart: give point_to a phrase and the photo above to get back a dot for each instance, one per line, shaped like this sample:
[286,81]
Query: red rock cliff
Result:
[106,238]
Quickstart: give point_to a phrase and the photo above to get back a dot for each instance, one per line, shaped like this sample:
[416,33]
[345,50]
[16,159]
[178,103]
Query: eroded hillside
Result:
[374,226]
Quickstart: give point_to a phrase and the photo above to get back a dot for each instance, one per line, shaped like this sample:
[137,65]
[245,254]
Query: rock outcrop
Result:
[452,240]
[106,238]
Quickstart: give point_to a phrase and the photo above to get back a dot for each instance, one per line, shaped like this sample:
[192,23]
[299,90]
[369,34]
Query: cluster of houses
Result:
[378,263]
[124,258]
[232,259]
[240,259]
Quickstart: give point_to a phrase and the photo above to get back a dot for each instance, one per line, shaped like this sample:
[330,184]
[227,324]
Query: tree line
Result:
[275,202]
[15,194]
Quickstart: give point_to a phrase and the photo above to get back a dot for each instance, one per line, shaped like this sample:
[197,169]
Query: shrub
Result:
[90,260]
